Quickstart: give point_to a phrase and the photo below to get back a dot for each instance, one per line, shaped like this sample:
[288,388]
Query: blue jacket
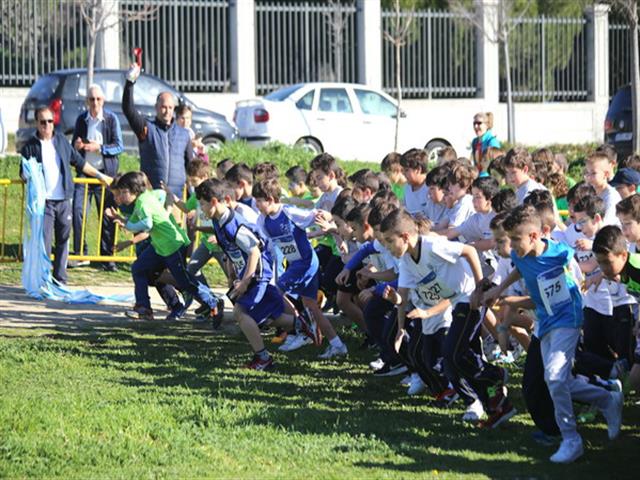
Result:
[112,137]
[68,156]
[488,139]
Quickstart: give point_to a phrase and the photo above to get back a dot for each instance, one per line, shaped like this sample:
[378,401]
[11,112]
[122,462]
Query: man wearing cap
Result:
[626,181]
[98,138]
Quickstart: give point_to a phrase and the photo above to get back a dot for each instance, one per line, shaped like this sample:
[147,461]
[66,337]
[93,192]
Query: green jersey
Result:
[630,275]
[167,237]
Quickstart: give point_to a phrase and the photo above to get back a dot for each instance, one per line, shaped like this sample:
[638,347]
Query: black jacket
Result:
[112,136]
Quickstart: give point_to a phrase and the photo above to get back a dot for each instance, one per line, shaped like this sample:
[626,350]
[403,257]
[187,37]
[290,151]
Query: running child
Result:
[285,226]
[257,303]
[542,264]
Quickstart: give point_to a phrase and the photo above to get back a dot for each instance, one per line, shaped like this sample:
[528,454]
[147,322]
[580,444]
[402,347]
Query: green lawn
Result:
[170,400]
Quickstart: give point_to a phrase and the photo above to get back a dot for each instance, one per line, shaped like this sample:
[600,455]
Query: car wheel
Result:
[432,148]
[215,143]
[310,145]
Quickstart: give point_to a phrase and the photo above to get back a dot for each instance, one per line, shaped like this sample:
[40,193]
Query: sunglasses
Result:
[45,121]
[478,123]
[94,99]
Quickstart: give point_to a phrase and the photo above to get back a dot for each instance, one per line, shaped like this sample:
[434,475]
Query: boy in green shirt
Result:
[168,246]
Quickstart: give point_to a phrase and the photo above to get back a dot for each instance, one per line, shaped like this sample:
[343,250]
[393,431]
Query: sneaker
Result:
[506,358]
[417,385]
[406,380]
[474,412]
[332,351]
[367,344]
[614,385]
[139,313]
[294,342]
[500,416]
[377,364]
[214,315]
[109,267]
[447,397]
[78,263]
[257,363]
[308,327]
[613,414]
[202,310]
[389,370]
[497,396]
[569,451]
[176,313]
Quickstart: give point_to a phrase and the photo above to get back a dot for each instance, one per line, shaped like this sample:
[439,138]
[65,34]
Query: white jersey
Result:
[415,201]
[461,211]
[610,197]
[526,188]
[439,272]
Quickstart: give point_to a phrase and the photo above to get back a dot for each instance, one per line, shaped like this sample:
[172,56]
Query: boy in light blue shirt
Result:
[543,266]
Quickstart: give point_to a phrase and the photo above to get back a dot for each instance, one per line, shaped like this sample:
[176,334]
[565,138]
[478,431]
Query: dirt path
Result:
[17,309]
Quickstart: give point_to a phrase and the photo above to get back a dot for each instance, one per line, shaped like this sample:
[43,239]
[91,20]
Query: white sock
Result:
[336,342]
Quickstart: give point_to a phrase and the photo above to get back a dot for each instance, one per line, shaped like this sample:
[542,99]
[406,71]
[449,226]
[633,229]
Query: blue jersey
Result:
[227,230]
[286,230]
[552,287]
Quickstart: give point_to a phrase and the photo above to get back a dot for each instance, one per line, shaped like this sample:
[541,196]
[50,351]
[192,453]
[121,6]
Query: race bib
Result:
[237,260]
[431,292]
[289,248]
[554,290]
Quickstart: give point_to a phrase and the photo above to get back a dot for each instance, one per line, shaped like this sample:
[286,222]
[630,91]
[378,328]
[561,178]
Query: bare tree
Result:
[499,32]
[101,15]
[336,20]
[629,9]
[397,35]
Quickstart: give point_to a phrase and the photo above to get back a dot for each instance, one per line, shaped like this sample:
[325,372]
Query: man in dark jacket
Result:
[98,138]
[57,157]
[165,146]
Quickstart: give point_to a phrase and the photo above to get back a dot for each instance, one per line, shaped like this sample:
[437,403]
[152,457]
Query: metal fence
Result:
[304,41]
[619,57]
[38,36]
[548,60]
[438,59]
[185,42]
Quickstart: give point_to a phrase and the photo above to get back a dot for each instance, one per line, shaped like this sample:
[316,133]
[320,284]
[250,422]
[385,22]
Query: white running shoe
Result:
[332,351]
[613,414]
[569,451]
[417,386]
[474,412]
[376,364]
[294,342]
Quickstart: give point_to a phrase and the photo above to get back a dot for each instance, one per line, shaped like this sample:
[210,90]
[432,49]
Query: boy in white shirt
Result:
[597,173]
[414,169]
[517,166]
[479,384]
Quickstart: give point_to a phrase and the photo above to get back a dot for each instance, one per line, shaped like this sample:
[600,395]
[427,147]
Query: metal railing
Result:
[548,58]
[438,60]
[304,41]
[185,42]
[39,36]
[619,57]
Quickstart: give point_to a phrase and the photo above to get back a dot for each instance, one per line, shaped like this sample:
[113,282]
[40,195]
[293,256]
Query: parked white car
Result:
[350,121]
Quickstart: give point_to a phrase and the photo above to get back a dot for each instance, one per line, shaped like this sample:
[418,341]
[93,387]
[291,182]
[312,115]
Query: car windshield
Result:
[283,93]
[44,87]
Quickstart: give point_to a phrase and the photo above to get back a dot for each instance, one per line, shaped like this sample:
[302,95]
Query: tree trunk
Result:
[635,80]
[91,59]
[399,95]
[504,36]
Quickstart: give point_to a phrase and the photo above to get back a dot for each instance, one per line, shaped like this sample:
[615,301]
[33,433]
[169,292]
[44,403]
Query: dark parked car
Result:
[618,123]
[65,92]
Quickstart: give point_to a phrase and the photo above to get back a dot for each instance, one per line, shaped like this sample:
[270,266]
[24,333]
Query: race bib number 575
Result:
[554,290]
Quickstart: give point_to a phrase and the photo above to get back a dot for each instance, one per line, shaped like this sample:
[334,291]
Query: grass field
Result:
[171,400]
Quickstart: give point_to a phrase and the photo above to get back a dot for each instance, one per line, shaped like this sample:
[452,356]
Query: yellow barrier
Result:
[6,183]
[4,258]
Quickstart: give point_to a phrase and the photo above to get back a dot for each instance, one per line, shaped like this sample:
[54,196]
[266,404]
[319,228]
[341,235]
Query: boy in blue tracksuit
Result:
[256,301]
[543,266]
[284,226]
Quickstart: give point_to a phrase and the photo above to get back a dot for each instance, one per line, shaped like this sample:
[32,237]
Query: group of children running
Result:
[431,264]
